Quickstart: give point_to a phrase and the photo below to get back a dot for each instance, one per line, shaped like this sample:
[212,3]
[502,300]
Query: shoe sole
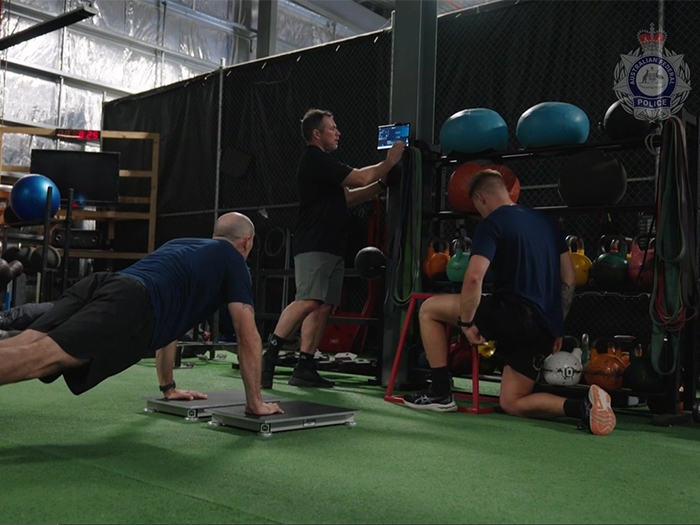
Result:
[452,407]
[302,382]
[602,419]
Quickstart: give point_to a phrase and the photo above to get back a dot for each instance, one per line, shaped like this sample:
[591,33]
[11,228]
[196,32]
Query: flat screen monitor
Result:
[94,176]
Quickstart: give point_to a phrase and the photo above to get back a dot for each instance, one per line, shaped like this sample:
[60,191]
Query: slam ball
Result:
[619,124]
[458,184]
[28,197]
[474,130]
[370,263]
[552,124]
[592,178]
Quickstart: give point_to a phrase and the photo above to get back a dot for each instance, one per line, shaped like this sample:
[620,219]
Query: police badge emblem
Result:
[652,82]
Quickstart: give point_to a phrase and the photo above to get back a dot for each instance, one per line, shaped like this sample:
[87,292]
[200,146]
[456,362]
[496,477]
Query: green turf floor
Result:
[98,458]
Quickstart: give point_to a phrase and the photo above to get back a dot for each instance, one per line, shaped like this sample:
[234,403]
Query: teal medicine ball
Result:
[472,131]
[552,124]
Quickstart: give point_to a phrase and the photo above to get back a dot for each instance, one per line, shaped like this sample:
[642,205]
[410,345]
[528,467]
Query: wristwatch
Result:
[463,324]
[169,386]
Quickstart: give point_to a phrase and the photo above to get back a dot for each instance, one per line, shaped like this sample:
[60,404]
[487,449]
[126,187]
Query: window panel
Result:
[40,51]
[80,108]
[41,107]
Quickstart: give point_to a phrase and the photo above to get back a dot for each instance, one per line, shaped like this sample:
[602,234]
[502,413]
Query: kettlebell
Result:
[609,270]
[582,264]
[435,262]
[640,374]
[457,265]
[641,261]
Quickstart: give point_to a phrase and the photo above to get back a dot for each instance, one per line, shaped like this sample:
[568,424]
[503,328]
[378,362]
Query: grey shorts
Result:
[319,276]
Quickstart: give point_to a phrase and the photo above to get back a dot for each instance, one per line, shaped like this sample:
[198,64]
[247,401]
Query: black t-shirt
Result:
[323,211]
[524,248]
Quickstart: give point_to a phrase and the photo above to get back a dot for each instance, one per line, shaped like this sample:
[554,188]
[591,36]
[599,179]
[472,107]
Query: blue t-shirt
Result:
[524,248]
[188,280]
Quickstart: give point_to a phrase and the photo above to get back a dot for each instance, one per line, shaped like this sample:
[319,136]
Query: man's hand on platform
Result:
[264,409]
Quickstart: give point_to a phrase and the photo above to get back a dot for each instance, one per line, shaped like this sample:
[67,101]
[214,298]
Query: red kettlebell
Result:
[641,262]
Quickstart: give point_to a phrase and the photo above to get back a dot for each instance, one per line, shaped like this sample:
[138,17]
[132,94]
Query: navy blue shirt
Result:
[188,280]
[323,211]
[524,248]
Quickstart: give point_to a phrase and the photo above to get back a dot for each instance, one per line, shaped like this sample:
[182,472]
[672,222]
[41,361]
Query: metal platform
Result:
[297,415]
[201,408]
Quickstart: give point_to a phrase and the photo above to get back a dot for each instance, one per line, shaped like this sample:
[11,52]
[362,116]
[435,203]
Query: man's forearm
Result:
[250,363]
[359,195]
[567,296]
[470,298]
[165,360]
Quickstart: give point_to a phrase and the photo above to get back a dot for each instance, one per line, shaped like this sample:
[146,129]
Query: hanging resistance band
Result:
[675,292]
[406,238]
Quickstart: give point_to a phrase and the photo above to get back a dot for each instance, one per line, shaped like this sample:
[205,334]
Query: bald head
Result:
[234,226]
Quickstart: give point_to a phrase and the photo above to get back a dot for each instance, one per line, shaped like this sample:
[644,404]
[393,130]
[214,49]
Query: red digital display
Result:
[78,134]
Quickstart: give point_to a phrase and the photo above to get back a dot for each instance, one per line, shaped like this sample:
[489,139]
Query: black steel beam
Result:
[42,28]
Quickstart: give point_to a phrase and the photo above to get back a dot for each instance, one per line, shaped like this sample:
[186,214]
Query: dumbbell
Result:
[8,271]
[15,253]
[53,258]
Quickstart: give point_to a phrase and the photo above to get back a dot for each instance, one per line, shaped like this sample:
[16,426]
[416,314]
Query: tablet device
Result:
[392,133]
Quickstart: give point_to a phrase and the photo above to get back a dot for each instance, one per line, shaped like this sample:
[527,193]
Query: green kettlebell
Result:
[457,265]
[609,270]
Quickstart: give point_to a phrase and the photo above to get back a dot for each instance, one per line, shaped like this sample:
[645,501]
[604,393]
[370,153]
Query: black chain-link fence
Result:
[505,56]
[263,104]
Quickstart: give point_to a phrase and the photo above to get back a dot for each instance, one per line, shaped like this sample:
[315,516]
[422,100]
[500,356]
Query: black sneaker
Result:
[306,377]
[427,400]
[598,416]
[268,372]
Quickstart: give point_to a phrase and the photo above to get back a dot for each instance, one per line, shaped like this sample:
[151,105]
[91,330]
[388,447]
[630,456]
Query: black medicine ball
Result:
[592,178]
[620,125]
[370,263]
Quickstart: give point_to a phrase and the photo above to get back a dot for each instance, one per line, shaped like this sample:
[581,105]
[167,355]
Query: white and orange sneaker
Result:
[598,417]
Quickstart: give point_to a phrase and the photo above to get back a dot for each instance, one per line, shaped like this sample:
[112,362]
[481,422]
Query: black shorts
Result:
[522,342]
[106,318]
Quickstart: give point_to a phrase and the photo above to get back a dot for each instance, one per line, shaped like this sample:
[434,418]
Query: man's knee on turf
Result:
[510,405]
[515,387]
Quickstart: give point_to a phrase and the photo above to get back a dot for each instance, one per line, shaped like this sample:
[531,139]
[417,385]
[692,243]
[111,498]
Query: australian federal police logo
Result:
[652,82]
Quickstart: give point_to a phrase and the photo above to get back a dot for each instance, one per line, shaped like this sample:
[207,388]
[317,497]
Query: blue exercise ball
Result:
[552,124]
[28,197]
[472,131]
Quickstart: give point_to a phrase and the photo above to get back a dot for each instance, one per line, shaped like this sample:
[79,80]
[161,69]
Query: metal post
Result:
[267,28]
[414,30]
[220,112]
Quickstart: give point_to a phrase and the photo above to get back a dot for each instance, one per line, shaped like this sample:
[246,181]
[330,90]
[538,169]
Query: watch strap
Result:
[463,324]
[169,386]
